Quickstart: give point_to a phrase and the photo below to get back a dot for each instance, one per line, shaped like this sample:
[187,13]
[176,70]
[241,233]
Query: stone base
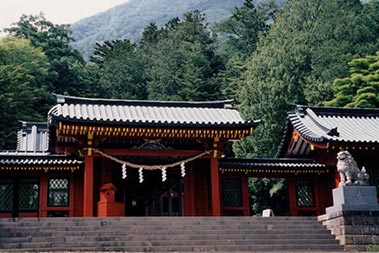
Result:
[354,198]
[355,230]
[354,217]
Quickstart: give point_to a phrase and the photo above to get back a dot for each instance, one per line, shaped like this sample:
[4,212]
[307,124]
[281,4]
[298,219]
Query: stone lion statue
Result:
[350,174]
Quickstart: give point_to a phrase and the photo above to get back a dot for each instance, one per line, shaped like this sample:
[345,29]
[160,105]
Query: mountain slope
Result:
[128,20]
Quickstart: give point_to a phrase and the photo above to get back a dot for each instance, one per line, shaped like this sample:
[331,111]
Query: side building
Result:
[307,155]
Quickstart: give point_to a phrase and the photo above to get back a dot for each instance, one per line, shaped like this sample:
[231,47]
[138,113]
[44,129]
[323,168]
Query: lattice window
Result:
[6,195]
[305,194]
[232,192]
[58,192]
[28,195]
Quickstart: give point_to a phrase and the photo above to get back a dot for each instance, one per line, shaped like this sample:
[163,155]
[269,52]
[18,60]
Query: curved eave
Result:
[156,124]
[29,162]
[304,131]
[142,130]
[272,166]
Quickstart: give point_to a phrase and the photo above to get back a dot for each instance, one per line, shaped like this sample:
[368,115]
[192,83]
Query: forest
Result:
[128,20]
[266,58]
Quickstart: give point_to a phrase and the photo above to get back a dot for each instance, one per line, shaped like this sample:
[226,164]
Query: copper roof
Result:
[323,124]
[147,113]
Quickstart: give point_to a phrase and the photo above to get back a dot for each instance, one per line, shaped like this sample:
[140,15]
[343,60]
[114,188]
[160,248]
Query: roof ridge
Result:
[63,99]
[330,130]
[289,160]
[343,111]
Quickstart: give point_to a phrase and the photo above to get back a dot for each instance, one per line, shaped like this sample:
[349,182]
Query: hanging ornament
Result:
[164,175]
[124,175]
[183,169]
[140,172]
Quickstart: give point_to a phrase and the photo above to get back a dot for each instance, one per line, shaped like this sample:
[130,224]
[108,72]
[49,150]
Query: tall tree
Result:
[361,88]
[23,91]
[120,69]
[243,28]
[305,50]
[182,64]
[67,67]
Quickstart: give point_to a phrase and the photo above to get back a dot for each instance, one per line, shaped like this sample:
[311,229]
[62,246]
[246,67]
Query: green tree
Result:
[67,66]
[268,193]
[120,70]
[238,38]
[361,88]
[244,27]
[304,51]
[182,64]
[23,91]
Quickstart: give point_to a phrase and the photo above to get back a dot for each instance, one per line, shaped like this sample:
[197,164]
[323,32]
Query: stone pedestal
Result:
[354,198]
[354,217]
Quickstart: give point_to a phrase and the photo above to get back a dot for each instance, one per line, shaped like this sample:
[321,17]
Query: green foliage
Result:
[268,193]
[23,94]
[67,66]
[244,27]
[242,30]
[121,70]
[130,19]
[361,89]
[306,48]
[181,63]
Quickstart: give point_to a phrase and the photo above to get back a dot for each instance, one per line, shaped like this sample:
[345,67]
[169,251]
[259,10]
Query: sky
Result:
[56,11]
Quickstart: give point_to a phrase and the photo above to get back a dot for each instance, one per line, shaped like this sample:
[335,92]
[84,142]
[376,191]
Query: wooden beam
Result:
[141,152]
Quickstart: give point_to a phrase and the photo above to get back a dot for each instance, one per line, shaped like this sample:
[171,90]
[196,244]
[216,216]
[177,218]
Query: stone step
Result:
[118,232]
[160,220]
[162,237]
[163,218]
[138,234]
[173,242]
[164,227]
[144,223]
[191,248]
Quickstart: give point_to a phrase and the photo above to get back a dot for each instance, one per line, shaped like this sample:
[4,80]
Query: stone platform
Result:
[354,217]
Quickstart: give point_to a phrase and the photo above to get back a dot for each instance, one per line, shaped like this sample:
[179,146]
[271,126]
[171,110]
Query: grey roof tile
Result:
[322,124]
[36,159]
[129,112]
[269,163]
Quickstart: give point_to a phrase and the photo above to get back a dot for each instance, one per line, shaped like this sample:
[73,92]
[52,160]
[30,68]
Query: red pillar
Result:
[44,184]
[88,186]
[245,195]
[292,196]
[215,186]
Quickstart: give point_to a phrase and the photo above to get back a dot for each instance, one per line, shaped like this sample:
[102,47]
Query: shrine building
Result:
[109,157]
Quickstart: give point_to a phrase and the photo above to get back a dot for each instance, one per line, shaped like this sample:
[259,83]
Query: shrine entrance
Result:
[148,194]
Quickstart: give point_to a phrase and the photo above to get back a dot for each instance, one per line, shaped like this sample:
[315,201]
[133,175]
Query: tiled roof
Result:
[323,124]
[272,167]
[269,163]
[33,136]
[147,113]
[35,159]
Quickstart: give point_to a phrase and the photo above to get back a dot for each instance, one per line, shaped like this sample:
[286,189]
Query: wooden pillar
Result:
[215,184]
[245,195]
[44,184]
[292,196]
[88,185]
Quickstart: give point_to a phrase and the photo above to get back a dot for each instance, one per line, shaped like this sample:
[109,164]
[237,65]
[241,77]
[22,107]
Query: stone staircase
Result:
[164,234]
